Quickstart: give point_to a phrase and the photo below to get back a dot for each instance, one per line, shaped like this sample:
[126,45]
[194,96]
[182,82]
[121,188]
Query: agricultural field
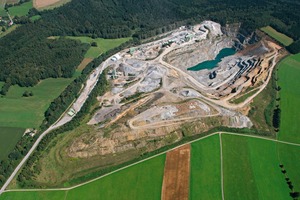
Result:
[103,45]
[283,39]
[48,4]
[177,174]
[84,63]
[141,181]
[289,157]
[9,134]
[289,73]
[20,10]
[12,1]
[205,179]
[251,169]
[28,112]
[2,5]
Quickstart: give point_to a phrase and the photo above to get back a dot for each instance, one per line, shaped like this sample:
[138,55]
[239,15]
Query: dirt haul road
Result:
[177,174]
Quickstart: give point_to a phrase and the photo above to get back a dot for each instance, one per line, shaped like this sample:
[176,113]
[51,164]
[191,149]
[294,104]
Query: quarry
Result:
[186,80]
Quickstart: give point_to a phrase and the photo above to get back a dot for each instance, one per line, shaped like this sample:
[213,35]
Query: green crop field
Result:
[8,139]
[289,157]
[28,112]
[283,39]
[103,45]
[141,181]
[20,10]
[41,195]
[289,73]
[251,169]
[205,179]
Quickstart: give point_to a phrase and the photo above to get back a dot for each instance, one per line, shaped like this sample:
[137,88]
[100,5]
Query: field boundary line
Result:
[221,158]
[125,167]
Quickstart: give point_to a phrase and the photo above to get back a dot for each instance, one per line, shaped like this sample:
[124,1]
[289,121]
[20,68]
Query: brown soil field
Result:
[177,174]
[40,4]
[84,63]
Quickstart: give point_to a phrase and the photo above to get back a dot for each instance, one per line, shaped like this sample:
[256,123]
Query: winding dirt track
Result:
[177,174]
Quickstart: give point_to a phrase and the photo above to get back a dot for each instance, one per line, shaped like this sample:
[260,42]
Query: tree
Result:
[94,44]
[295,194]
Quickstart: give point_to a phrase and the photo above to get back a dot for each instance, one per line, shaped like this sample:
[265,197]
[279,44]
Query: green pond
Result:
[209,64]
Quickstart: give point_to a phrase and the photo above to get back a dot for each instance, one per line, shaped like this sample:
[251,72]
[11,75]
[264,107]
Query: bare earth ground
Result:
[39,4]
[177,174]
[84,63]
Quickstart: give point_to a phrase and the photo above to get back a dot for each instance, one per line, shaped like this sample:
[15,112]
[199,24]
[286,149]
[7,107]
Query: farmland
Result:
[283,39]
[28,112]
[289,73]
[177,174]
[9,134]
[49,4]
[140,181]
[103,45]
[20,10]
[205,169]
[251,169]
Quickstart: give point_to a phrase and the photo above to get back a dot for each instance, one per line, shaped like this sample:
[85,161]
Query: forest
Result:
[27,56]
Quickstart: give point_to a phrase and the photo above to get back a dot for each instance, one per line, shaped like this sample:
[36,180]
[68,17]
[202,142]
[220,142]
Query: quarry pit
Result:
[185,81]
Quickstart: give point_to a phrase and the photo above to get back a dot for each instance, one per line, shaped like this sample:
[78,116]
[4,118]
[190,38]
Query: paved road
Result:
[90,84]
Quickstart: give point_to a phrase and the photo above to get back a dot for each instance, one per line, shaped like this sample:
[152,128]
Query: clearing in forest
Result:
[20,10]
[8,139]
[84,63]
[28,112]
[177,174]
[283,39]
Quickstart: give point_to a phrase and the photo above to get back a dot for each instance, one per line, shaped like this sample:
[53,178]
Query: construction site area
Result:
[161,91]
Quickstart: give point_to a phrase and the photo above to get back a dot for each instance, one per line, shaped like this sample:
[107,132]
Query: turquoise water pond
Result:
[209,64]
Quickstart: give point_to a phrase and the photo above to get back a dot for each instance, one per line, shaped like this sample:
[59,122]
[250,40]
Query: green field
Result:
[9,30]
[251,169]
[20,10]
[35,17]
[2,5]
[103,45]
[283,39]
[289,73]
[289,157]
[28,112]
[9,134]
[141,181]
[205,179]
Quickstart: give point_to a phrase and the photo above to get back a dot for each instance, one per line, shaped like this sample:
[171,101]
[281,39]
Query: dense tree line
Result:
[27,56]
